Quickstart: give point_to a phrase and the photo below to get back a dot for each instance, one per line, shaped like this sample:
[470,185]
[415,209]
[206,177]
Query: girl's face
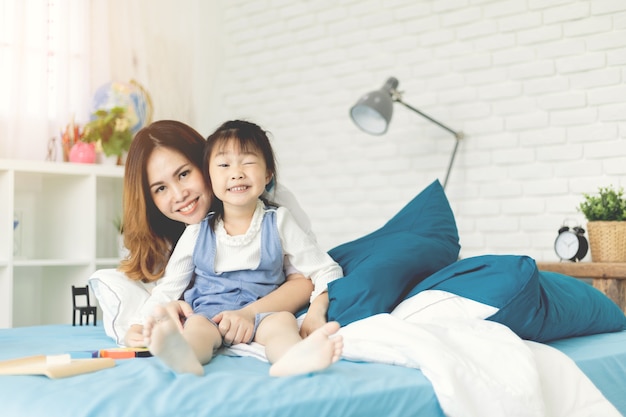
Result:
[238,178]
[177,186]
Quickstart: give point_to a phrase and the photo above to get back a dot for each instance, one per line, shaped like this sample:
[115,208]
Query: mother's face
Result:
[177,186]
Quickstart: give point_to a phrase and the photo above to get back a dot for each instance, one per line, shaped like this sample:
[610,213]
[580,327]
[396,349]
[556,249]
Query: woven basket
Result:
[607,241]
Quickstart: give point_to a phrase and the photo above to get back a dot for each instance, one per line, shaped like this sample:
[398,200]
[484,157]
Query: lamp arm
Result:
[457,135]
[456,146]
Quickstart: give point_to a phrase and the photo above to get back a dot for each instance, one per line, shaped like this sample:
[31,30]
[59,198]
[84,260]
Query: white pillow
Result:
[120,299]
[430,305]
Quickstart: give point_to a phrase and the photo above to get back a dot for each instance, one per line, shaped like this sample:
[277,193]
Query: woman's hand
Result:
[134,336]
[316,315]
[235,326]
[178,310]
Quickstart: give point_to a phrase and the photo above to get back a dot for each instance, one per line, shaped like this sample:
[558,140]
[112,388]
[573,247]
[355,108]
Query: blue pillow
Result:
[574,308]
[380,268]
[536,305]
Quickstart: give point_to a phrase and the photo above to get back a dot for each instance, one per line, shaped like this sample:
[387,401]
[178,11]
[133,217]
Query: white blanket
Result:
[478,368]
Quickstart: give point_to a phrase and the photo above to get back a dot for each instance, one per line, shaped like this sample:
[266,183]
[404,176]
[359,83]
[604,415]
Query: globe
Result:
[131,96]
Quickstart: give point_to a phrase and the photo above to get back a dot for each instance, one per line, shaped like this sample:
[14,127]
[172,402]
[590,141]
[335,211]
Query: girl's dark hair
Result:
[249,137]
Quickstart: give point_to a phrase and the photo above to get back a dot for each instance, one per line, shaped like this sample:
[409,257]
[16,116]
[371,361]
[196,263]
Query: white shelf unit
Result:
[65,232]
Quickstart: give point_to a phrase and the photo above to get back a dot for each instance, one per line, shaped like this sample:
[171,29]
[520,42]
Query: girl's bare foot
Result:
[165,341]
[318,351]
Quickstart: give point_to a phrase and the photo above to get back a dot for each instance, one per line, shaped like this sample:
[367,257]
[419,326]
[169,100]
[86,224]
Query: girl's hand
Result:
[316,315]
[235,326]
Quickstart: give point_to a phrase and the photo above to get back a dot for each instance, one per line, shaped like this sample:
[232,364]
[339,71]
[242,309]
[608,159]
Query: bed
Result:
[426,334]
[240,386]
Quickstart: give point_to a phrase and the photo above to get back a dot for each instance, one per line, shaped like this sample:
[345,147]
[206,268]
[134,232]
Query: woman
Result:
[160,244]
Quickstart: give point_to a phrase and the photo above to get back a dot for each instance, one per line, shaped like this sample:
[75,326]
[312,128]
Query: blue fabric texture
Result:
[381,267]
[536,305]
[574,308]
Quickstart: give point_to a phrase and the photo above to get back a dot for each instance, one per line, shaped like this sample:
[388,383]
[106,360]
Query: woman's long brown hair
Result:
[149,235]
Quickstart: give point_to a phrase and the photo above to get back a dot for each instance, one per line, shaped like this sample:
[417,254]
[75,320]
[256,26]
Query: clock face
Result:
[566,245]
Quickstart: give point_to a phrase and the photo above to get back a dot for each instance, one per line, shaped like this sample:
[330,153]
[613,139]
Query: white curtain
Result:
[45,71]
[54,54]
[173,49]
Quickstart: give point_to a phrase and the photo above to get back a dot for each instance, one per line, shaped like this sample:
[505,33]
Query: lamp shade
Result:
[372,112]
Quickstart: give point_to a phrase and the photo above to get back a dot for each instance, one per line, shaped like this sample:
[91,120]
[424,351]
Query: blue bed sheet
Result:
[602,357]
[232,386]
[240,386]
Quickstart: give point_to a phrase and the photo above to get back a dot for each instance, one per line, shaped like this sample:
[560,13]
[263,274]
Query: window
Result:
[44,72]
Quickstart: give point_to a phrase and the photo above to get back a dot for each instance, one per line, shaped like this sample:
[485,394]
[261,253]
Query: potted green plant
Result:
[606,214]
[118,224]
[111,131]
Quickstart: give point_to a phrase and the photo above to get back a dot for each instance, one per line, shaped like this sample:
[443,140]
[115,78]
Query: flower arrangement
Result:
[70,136]
[608,205]
[110,130]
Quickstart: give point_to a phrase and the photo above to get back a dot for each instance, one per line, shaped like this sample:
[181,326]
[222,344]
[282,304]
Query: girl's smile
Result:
[238,177]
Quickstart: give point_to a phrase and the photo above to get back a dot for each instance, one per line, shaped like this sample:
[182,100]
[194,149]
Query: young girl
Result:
[164,172]
[239,259]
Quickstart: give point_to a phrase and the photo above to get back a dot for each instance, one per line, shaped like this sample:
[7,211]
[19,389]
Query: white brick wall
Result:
[538,86]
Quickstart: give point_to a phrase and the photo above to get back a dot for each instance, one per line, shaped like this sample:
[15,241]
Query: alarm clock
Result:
[571,244]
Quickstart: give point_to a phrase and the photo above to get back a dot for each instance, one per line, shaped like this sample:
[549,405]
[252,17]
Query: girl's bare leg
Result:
[184,352]
[291,355]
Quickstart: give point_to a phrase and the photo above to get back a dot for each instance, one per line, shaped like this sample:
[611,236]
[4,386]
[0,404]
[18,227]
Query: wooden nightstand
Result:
[608,277]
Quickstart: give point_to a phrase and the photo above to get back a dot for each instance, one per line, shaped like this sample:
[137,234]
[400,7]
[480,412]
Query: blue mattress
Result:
[240,386]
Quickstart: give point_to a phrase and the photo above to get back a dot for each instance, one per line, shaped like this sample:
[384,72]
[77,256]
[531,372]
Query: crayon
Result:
[84,354]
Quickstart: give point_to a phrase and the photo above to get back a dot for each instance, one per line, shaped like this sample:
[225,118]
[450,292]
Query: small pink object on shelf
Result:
[84,153]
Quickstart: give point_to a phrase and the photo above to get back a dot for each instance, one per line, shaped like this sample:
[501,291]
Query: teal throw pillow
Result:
[380,268]
[536,305]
